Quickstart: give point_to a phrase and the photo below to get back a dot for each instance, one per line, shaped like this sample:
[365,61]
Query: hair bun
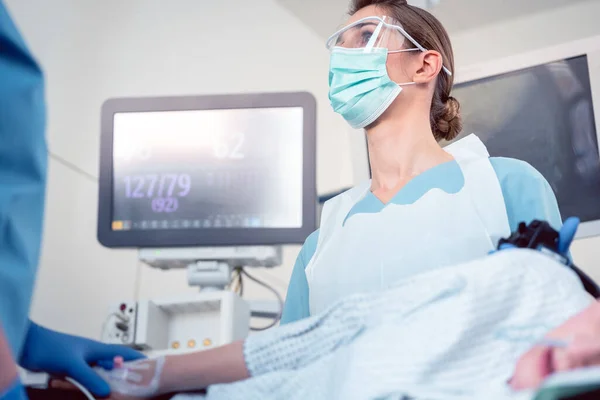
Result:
[449,123]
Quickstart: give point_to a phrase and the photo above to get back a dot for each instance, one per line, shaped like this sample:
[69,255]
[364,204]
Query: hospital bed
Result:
[590,390]
[579,384]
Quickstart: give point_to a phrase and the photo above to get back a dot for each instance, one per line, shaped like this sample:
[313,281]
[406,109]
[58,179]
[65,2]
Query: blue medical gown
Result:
[23,162]
[527,196]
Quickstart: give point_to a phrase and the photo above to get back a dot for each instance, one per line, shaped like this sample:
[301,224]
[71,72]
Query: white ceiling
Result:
[323,16]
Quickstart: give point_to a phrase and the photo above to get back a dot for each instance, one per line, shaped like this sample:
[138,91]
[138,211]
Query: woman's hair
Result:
[428,32]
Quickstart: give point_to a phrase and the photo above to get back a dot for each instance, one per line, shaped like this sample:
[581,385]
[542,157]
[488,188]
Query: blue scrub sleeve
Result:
[15,392]
[296,302]
[527,194]
[23,160]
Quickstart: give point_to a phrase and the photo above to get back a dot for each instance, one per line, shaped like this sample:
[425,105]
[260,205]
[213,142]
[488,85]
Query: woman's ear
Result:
[431,65]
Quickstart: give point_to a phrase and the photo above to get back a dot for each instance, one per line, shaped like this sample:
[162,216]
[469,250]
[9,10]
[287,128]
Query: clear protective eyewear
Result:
[375,33]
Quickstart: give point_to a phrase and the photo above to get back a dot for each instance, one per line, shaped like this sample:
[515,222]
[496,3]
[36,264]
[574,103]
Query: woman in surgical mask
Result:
[426,207]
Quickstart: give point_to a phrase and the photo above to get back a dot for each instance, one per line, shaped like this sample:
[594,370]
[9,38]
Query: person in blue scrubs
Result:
[425,207]
[23,162]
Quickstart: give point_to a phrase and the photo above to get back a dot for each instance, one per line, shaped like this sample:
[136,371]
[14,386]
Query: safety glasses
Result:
[375,33]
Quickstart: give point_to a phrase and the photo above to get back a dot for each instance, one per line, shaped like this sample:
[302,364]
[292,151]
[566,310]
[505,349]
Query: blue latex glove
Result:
[505,246]
[567,234]
[66,355]
[15,392]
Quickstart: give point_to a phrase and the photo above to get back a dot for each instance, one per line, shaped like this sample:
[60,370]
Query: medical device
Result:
[539,235]
[136,379]
[212,184]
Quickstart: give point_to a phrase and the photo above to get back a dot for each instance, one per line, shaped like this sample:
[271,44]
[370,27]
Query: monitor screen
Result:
[208,169]
[544,116]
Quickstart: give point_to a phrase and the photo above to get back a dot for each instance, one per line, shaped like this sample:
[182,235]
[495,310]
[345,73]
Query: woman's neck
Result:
[399,151]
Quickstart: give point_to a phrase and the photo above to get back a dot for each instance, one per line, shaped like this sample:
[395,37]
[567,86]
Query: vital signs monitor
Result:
[222,170]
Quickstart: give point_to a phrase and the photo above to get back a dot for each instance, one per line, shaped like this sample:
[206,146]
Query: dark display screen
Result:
[543,115]
[234,168]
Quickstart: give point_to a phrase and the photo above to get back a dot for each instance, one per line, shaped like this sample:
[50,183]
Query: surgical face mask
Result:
[360,88]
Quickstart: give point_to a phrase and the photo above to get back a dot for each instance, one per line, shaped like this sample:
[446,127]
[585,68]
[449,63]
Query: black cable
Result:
[237,279]
[272,290]
[240,283]
[588,283]
[72,167]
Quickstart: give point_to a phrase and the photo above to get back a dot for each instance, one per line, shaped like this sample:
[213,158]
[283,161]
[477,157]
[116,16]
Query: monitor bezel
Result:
[589,47]
[193,237]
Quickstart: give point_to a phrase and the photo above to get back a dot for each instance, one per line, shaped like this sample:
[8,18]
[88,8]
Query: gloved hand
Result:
[567,234]
[66,355]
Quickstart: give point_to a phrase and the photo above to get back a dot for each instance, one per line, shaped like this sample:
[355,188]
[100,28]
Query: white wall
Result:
[525,34]
[530,32]
[92,50]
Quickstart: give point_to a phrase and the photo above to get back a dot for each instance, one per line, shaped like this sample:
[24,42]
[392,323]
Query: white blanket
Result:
[454,333]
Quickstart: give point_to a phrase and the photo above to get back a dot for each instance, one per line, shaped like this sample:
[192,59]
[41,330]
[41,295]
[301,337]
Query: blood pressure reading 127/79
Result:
[163,190]
[217,168]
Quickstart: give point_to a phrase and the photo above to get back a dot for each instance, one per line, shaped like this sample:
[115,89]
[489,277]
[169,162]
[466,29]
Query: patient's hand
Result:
[542,361]
[583,334]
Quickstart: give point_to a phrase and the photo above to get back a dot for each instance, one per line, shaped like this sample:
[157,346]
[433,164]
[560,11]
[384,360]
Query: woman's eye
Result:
[365,37]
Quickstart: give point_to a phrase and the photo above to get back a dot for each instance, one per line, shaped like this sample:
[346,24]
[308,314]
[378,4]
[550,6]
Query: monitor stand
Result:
[190,322]
[211,267]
